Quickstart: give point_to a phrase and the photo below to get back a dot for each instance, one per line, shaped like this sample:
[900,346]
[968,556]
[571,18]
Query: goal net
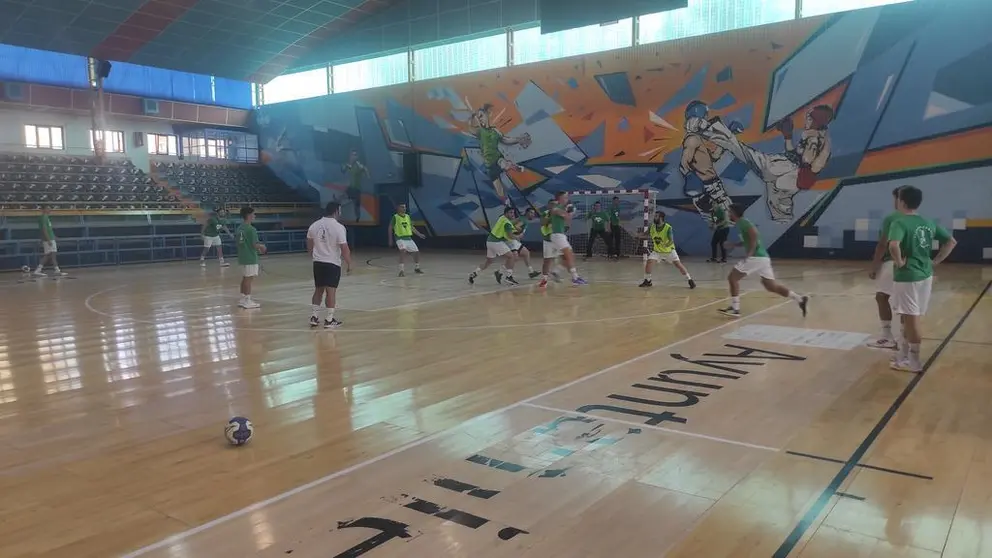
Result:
[636,207]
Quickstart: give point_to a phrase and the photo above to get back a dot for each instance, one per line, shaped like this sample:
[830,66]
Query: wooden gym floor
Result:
[449,421]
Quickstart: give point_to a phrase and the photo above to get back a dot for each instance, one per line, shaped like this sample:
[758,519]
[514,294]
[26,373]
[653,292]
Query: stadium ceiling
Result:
[252,40]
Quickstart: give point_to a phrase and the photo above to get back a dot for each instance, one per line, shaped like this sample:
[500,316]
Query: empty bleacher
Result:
[228,185]
[65,182]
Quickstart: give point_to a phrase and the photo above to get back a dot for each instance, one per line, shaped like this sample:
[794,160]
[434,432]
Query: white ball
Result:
[239,431]
[570,208]
[25,269]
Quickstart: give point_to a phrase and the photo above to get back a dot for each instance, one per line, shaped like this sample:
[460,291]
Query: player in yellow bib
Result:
[498,245]
[401,230]
[520,226]
[663,250]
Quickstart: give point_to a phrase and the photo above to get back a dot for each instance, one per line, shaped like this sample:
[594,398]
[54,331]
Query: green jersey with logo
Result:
[720,218]
[743,225]
[557,221]
[45,226]
[214,226]
[915,235]
[402,226]
[886,225]
[615,215]
[661,238]
[355,172]
[489,140]
[247,239]
[501,230]
[598,220]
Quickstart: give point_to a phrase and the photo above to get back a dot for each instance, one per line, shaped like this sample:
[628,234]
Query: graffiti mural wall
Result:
[809,123]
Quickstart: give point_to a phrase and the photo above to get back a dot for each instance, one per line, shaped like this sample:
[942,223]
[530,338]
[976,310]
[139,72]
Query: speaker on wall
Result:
[411,169]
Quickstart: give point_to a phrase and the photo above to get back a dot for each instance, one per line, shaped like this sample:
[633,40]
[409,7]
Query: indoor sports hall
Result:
[495,279]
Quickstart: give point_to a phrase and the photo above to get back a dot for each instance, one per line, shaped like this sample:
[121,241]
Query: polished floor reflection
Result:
[452,421]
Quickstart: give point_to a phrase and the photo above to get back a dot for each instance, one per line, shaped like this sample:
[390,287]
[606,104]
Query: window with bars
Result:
[529,45]
[296,86]
[374,72]
[44,137]
[113,140]
[473,55]
[162,144]
[216,148]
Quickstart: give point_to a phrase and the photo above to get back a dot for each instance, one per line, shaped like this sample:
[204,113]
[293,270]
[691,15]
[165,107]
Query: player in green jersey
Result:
[49,247]
[720,223]
[248,250]
[215,224]
[401,230]
[756,261]
[881,272]
[599,227]
[663,250]
[490,139]
[497,246]
[561,219]
[551,254]
[911,238]
[520,226]
[356,173]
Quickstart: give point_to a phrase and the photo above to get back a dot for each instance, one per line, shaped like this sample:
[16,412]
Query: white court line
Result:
[178,537]
[652,427]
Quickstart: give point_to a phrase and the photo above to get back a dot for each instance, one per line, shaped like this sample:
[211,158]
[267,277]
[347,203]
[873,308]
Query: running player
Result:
[881,272]
[402,230]
[327,242]
[755,262]
[49,247]
[911,239]
[520,227]
[663,250]
[561,218]
[551,254]
[248,250]
[211,237]
[497,246]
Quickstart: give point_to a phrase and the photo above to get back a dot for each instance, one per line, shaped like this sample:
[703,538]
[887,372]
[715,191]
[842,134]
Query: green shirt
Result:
[720,219]
[886,225]
[214,226]
[500,230]
[743,225]
[615,215]
[520,226]
[915,235]
[402,226]
[45,226]
[661,238]
[355,172]
[599,219]
[557,222]
[247,239]
[489,140]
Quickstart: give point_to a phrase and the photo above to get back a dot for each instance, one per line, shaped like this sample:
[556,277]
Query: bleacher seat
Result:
[222,184]
[29,181]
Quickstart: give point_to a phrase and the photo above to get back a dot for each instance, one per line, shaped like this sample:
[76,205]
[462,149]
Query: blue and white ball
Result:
[239,431]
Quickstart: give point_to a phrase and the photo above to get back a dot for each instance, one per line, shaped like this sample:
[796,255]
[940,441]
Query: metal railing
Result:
[120,250]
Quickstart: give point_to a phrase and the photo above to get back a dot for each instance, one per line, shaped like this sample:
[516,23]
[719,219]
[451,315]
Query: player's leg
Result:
[616,235]
[248,273]
[592,240]
[739,272]
[722,237]
[673,258]
[414,250]
[493,251]
[763,267]
[561,243]
[402,250]
[883,300]
[910,301]
[207,243]
[319,284]
[333,280]
[220,252]
[648,265]
[714,242]
[525,256]
[507,269]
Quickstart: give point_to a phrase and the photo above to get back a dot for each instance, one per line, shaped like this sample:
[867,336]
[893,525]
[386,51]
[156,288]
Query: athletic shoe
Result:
[203,263]
[418,271]
[249,304]
[225,264]
[723,260]
[579,281]
[498,276]
[905,365]
[314,321]
[543,284]
[646,283]
[402,274]
[711,260]
[59,273]
[333,323]
[38,273]
[729,311]
[882,343]
[511,280]
[692,284]
[803,304]
[556,277]
[471,278]
[534,274]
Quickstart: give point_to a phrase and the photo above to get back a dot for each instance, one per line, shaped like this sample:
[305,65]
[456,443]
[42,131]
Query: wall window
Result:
[529,45]
[194,147]
[375,72]
[701,17]
[43,137]
[162,144]
[113,140]
[819,7]
[216,148]
[300,85]
[473,55]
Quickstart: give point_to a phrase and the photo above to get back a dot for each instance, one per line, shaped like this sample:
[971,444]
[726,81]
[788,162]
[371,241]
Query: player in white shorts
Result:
[497,246]
[401,230]
[663,250]
[550,253]
[560,217]
[911,240]
[211,237]
[881,272]
[757,263]
[517,246]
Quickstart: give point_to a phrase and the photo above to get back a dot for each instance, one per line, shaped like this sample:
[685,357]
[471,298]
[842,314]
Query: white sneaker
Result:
[59,273]
[882,343]
[252,304]
[905,365]
[38,273]
[203,263]
[225,264]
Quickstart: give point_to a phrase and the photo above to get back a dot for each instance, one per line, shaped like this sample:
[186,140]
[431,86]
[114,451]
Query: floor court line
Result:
[315,483]
[652,427]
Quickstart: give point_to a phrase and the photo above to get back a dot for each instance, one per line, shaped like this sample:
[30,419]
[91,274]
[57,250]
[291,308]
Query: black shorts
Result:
[326,275]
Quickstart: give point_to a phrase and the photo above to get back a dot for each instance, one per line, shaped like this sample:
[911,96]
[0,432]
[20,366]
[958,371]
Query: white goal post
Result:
[636,209]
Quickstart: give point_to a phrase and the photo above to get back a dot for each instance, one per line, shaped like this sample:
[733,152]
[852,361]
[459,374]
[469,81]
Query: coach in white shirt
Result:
[327,242]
